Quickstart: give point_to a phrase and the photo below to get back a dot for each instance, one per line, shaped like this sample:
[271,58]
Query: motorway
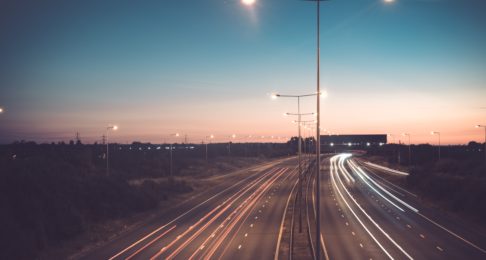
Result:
[237,219]
[363,216]
[366,217]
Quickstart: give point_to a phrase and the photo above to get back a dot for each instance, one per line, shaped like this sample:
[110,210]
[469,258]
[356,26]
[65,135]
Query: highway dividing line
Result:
[384,190]
[292,172]
[323,244]
[222,225]
[394,185]
[180,216]
[366,214]
[352,211]
[428,219]
[283,220]
[454,234]
[369,185]
[254,198]
[230,202]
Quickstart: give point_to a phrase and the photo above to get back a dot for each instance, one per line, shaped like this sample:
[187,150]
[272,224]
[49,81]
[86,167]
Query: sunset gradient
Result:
[209,67]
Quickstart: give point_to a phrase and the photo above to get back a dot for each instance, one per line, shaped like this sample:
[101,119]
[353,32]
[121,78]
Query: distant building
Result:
[353,140]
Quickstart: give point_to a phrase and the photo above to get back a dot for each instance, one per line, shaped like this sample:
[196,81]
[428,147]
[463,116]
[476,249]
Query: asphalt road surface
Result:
[363,216]
[238,219]
[366,217]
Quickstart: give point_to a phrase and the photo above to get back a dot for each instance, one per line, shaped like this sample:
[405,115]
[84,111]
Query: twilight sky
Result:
[205,67]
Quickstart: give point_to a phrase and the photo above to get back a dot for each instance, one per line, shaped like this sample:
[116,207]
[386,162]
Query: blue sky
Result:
[207,66]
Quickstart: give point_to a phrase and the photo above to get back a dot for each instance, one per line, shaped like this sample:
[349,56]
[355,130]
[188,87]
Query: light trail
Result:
[150,243]
[387,169]
[352,211]
[223,226]
[246,211]
[230,201]
[345,172]
[180,216]
[351,164]
[386,191]
[366,214]
[430,220]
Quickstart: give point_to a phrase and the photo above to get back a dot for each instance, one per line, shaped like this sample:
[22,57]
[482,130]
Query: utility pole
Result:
[77,138]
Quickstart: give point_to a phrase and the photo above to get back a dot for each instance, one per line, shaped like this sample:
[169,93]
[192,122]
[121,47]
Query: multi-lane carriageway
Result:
[363,216]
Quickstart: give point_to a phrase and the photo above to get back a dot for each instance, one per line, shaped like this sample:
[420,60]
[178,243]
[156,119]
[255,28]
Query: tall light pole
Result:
[318,135]
[299,149]
[483,126]
[209,137]
[114,128]
[409,148]
[170,154]
[438,134]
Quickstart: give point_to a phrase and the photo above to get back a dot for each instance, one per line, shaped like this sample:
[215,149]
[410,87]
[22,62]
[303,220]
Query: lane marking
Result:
[192,209]
[364,212]
[454,234]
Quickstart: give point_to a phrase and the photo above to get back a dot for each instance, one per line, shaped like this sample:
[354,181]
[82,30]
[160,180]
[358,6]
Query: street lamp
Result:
[438,134]
[318,135]
[299,149]
[114,128]
[248,2]
[209,137]
[409,148]
[1,110]
[170,153]
[483,126]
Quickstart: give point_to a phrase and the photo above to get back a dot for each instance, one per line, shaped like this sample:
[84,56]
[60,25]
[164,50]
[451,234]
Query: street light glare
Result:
[273,96]
[323,94]
[115,127]
[248,2]
[1,110]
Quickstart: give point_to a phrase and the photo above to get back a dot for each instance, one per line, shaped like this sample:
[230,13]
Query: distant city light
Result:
[368,144]
[350,144]
[332,144]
